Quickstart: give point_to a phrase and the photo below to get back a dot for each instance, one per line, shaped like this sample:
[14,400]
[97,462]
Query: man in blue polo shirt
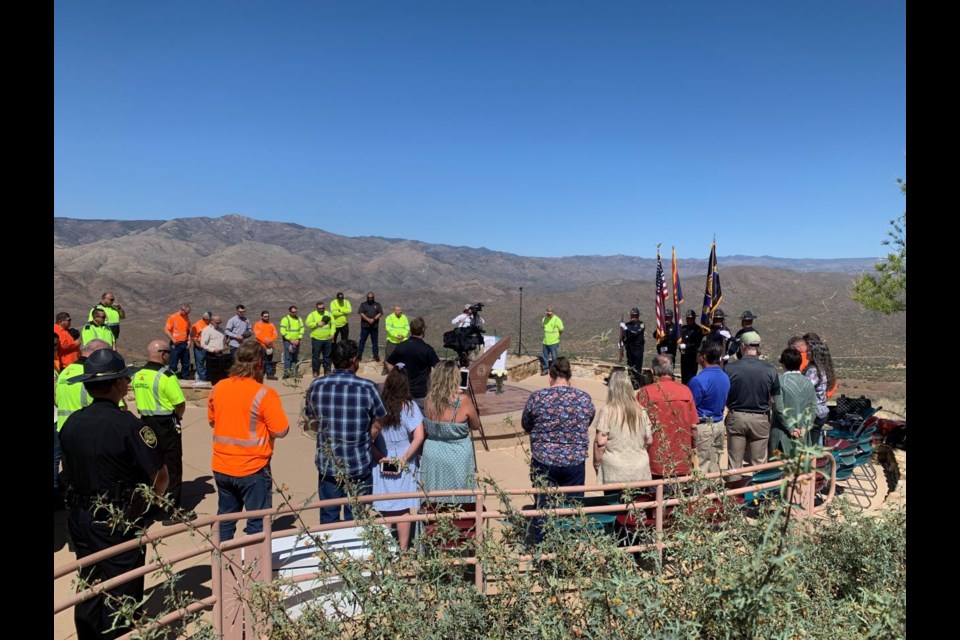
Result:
[710,388]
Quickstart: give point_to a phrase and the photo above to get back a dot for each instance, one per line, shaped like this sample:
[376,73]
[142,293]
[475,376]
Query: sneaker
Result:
[543,373]
[272,378]
[376,358]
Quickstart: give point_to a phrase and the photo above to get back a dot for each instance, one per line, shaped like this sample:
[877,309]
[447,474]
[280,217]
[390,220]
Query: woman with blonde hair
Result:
[448,460]
[623,435]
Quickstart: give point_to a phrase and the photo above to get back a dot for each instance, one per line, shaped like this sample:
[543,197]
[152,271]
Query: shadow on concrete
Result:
[61,537]
[194,490]
[286,522]
[193,579]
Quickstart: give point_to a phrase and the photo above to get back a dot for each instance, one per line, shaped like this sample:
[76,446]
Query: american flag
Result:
[662,295]
[677,298]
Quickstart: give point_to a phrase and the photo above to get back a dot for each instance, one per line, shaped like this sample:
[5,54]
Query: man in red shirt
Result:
[673,415]
[267,335]
[68,349]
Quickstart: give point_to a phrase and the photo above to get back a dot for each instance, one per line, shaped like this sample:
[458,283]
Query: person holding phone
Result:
[448,460]
[396,451]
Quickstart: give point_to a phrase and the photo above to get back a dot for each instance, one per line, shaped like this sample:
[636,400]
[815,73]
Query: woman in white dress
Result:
[396,451]
[623,435]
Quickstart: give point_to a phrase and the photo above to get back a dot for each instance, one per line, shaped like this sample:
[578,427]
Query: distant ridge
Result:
[215,263]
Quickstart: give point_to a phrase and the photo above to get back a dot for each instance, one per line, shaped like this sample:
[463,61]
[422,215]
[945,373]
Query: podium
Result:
[481,367]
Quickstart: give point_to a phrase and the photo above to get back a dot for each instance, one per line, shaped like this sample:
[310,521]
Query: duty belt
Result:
[750,411]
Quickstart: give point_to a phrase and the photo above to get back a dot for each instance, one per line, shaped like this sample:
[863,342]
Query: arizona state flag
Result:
[677,298]
[712,294]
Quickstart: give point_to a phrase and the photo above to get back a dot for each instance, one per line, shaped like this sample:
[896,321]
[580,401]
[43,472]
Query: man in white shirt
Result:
[213,340]
[467,318]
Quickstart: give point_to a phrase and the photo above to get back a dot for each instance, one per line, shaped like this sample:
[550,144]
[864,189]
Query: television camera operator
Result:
[469,317]
[467,335]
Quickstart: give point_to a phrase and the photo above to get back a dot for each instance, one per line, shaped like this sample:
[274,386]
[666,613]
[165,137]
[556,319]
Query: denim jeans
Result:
[200,357]
[289,357]
[321,348]
[552,476]
[548,356]
[270,367]
[234,493]
[329,488]
[180,356]
[374,333]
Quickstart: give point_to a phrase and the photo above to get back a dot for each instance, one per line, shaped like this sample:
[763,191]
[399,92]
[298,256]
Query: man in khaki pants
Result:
[753,387]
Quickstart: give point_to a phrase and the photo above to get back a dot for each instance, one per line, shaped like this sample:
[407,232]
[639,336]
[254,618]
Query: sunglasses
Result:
[163,350]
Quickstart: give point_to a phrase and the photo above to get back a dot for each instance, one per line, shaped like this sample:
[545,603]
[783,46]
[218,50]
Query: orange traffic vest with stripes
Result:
[246,417]
[179,327]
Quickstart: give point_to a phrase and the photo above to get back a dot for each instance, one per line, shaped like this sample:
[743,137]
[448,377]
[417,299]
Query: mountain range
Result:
[214,263]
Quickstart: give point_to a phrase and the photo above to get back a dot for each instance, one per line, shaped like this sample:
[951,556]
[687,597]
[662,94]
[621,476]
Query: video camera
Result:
[462,340]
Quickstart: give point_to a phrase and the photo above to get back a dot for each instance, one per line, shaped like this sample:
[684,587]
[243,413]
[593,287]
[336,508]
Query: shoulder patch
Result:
[149,437]
[170,373]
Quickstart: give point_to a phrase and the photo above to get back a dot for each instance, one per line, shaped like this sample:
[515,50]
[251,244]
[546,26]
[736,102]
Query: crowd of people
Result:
[413,434]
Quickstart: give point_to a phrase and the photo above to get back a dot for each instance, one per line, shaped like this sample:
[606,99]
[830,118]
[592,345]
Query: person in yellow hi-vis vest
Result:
[552,328]
[341,310]
[161,405]
[321,326]
[97,330]
[291,331]
[115,313]
[398,330]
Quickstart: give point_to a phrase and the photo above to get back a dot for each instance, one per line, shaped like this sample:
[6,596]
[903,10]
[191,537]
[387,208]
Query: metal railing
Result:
[258,549]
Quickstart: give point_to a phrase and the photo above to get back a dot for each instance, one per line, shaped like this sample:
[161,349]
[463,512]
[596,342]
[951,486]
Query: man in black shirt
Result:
[669,342]
[107,453]
[631,342]
[753,386]
[417,358]
[370,313]
[691,335]
[720,333]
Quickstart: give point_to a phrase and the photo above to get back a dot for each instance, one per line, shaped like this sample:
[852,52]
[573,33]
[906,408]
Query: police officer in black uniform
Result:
[669,343]
[691,335]
[632,341]
[106,454]
[746,323]
[720,333]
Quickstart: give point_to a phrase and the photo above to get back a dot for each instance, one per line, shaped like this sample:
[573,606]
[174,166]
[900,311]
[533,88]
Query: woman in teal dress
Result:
[448,460]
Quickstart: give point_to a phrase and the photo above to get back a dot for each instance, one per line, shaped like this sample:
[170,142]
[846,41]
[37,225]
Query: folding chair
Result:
[594,521]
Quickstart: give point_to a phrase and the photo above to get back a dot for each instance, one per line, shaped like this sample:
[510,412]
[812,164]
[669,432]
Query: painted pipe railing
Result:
[258,547]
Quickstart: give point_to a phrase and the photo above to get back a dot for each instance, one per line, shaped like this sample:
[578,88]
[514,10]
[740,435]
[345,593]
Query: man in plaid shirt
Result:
[346,410]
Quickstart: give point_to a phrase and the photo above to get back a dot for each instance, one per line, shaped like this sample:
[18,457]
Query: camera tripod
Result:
[473,399]
[521,349]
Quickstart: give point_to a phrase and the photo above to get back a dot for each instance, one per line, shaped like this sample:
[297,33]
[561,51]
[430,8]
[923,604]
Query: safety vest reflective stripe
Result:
[93,332]
[159,411]
[67,402]
[253,441]
[291,328]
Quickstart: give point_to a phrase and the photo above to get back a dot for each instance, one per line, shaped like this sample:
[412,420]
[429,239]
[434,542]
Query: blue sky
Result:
[539,128]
